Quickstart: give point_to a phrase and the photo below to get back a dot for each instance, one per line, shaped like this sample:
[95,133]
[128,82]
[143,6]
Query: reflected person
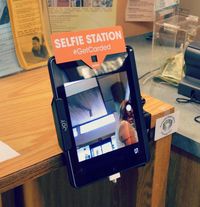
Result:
[126,132]
[38,49]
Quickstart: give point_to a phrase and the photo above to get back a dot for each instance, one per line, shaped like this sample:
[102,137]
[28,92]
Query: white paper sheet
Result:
[140,10]
[6,152]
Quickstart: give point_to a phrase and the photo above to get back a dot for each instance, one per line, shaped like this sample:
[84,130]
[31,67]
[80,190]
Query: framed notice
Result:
[75,15]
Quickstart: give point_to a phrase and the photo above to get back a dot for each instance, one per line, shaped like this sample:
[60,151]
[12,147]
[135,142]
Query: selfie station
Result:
[100,131]
[112,143]
[104,125]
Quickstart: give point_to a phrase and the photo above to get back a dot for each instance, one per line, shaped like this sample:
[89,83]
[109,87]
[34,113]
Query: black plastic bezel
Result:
[82,173]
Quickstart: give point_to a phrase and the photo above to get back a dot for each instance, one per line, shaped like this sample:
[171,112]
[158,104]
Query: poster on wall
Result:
[74,15]
[145,10]
[140,11]
[8,60]
[28,33]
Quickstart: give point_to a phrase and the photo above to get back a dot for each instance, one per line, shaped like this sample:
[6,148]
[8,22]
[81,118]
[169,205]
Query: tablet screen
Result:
[101,114]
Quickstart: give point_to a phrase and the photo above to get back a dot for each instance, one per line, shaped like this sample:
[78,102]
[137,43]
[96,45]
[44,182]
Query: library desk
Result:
[26,125]
[186,138]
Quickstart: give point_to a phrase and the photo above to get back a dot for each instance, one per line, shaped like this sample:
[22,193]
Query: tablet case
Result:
[58,77]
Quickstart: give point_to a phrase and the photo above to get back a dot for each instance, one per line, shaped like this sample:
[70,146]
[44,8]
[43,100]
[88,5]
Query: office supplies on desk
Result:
[190,84]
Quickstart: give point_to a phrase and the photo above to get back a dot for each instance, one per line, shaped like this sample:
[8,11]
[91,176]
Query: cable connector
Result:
[113,178]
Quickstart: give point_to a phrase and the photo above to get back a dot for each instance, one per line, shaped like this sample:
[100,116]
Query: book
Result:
[8,59]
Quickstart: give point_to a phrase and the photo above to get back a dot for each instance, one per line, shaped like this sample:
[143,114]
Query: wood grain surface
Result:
[142,187]
[33,194]
[26,124]
[160,174]
[183,180]
[183,187]
[56,191]
[0,201]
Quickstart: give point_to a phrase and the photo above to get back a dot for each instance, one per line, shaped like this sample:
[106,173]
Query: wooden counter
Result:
[26,124]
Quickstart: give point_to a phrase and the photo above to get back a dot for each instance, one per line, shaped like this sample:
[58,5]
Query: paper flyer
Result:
[144,10]
[6,152]
[139,11]
[77,15]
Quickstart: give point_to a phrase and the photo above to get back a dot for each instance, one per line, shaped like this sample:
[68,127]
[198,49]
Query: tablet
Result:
[99,117]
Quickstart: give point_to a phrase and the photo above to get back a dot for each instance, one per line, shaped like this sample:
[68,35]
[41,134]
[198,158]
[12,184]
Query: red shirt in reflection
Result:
[127,133]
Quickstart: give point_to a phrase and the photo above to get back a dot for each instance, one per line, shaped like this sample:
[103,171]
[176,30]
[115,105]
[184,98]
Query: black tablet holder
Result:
[58,78]
[61,124]
[61,74]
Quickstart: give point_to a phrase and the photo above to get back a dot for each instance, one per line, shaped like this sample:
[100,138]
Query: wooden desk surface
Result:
[26,124]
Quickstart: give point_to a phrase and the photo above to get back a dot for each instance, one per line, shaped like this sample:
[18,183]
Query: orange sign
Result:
[91,46]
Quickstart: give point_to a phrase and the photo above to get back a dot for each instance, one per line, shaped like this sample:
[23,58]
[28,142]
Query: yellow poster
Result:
[28,33]
[75,15]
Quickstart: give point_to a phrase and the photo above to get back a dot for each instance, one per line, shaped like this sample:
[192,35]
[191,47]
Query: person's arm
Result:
[127,133]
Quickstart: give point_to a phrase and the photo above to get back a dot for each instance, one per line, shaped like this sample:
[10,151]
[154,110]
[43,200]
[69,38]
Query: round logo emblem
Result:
[166,125]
